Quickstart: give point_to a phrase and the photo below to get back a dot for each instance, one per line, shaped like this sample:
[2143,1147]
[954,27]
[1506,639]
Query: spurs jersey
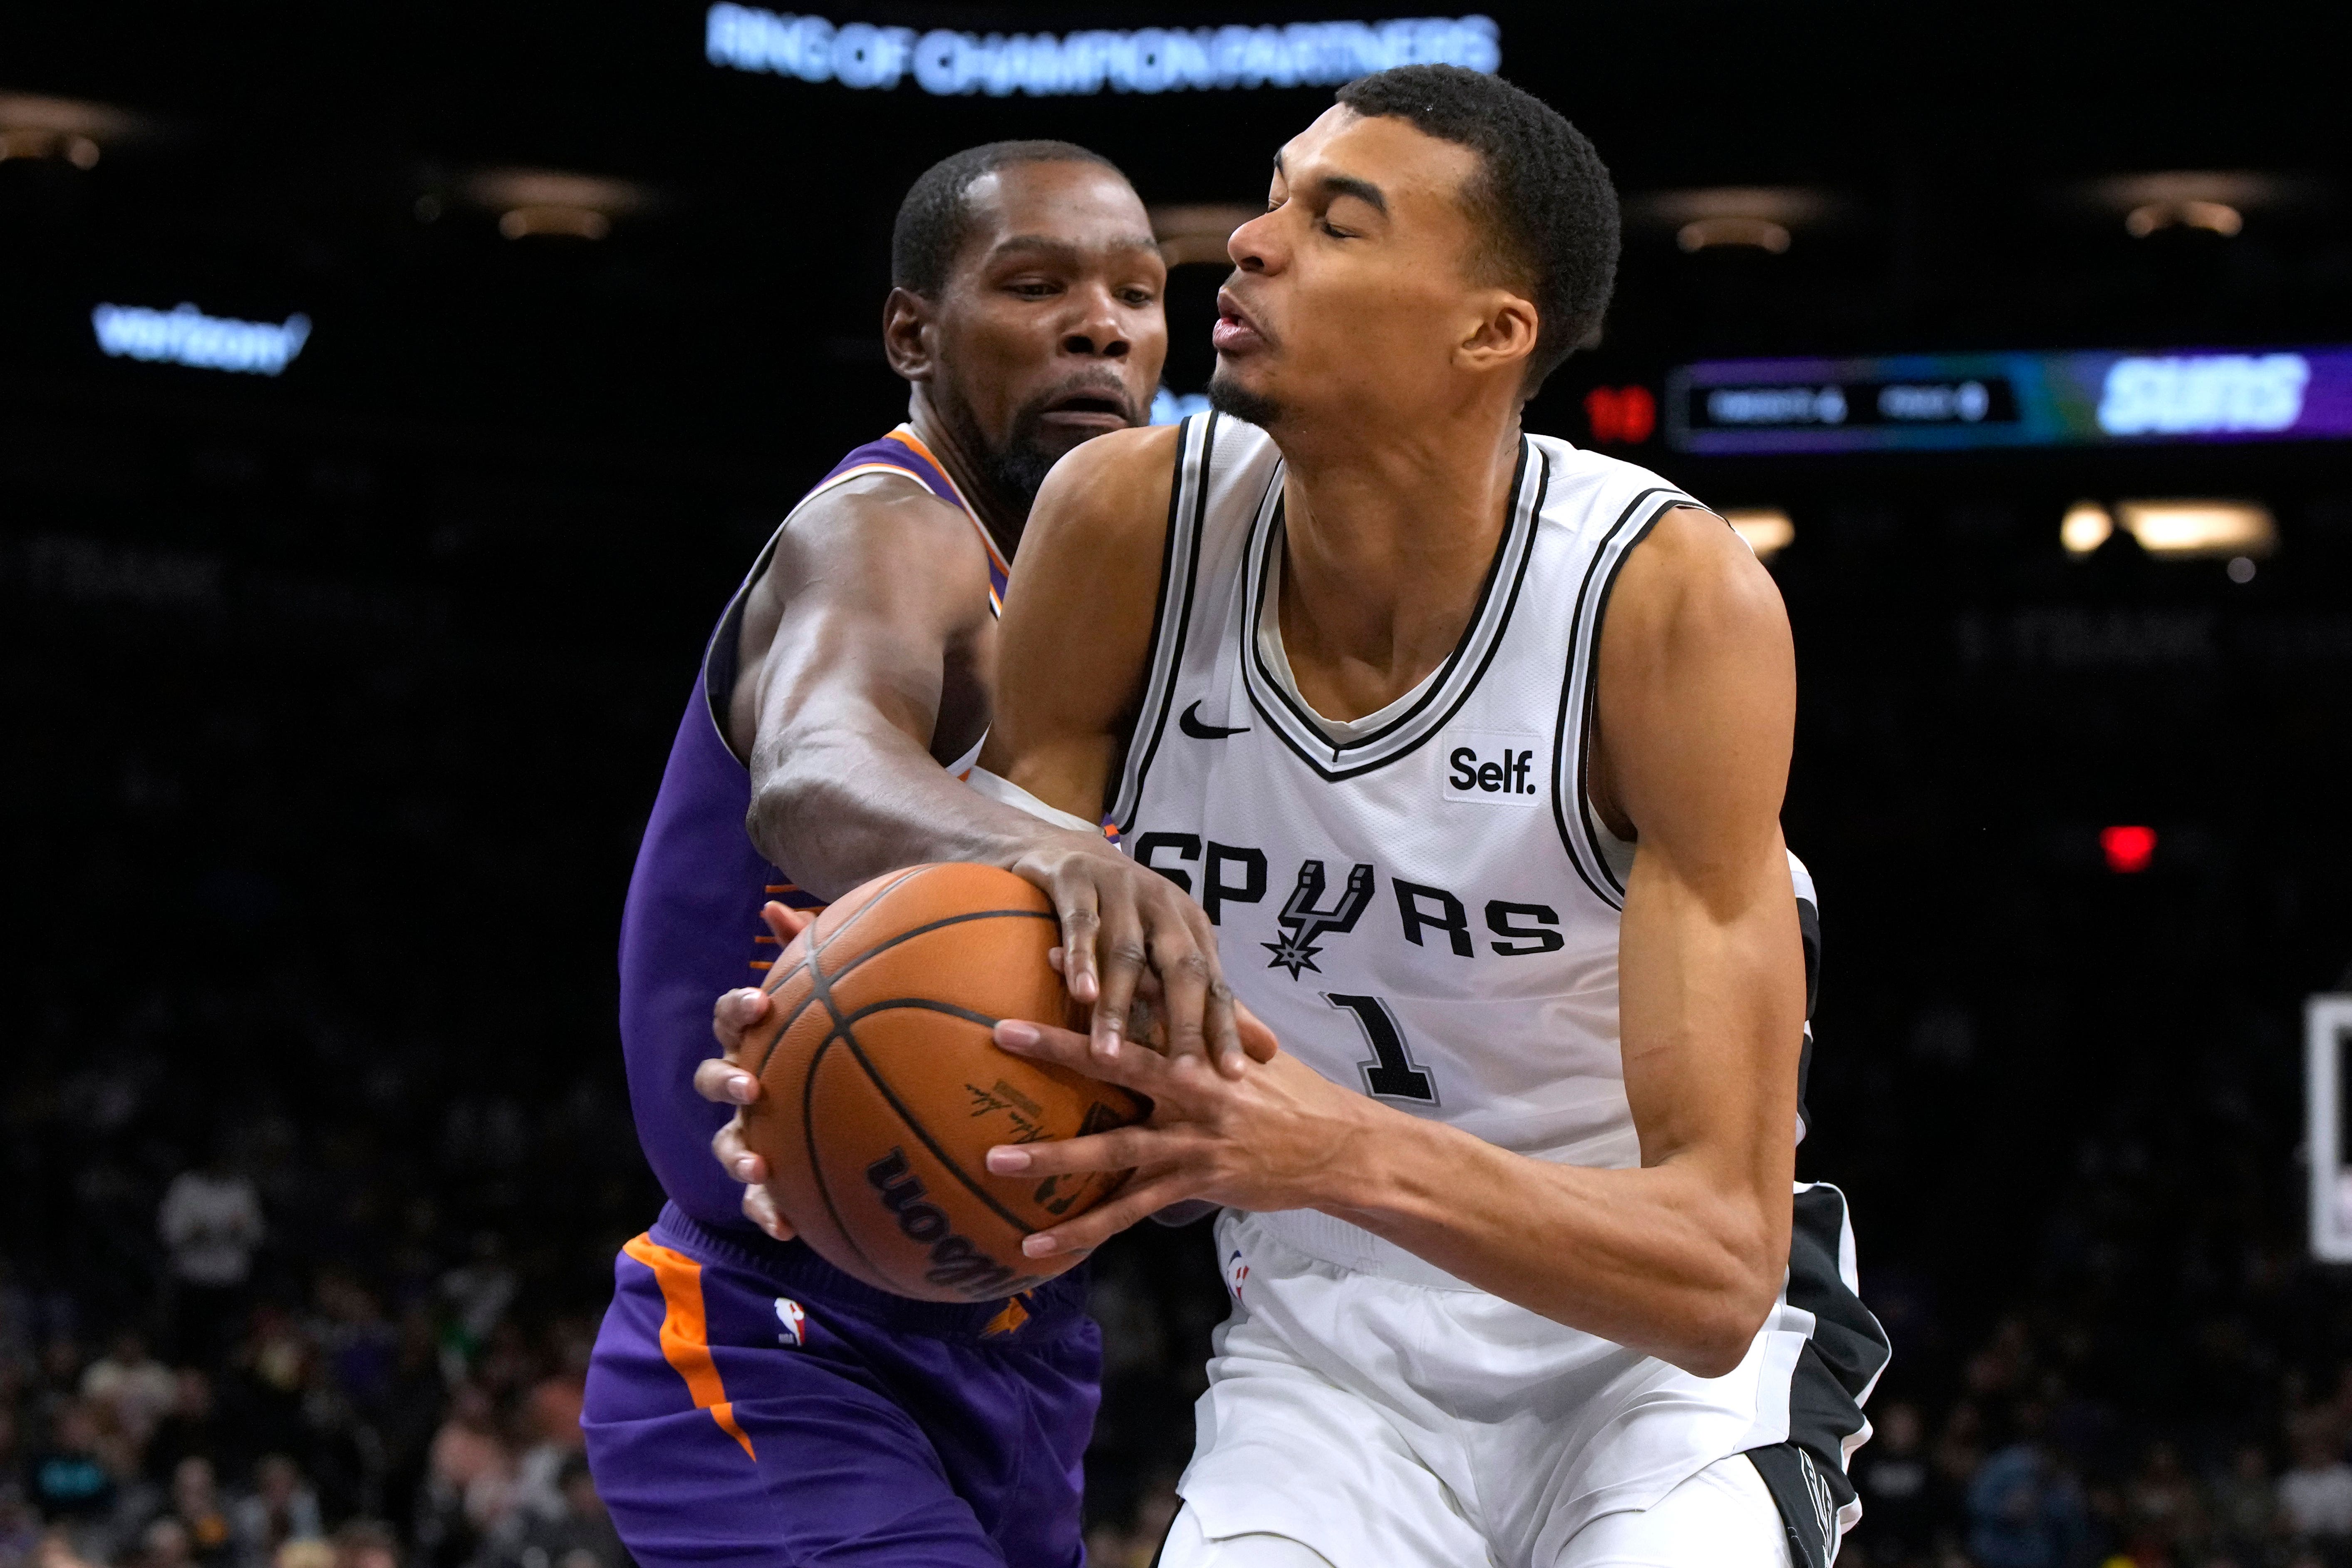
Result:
[1424,908]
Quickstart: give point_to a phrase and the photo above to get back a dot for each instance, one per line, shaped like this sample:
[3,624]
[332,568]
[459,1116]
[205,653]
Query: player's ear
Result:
[906,335]
[1503,335]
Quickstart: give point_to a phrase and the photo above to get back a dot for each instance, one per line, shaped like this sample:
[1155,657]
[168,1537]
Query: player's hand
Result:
[724,1082]
[1271,1139]
[1129,931]
[1147,1023]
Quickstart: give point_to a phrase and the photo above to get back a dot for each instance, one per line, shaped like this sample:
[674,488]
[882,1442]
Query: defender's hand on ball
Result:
[1129,936]
[720,1079]
[1275,1138]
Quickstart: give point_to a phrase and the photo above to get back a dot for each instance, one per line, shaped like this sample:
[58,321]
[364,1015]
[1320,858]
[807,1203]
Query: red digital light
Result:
[2127,849]
[1627,415]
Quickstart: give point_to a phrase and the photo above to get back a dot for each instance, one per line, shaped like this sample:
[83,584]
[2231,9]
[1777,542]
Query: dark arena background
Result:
[389,396]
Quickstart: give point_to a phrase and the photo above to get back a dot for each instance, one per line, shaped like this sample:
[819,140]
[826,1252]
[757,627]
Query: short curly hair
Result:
[935,220]
[1543,197]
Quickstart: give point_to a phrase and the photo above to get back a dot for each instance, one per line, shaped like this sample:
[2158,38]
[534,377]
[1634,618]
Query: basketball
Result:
[885,1090]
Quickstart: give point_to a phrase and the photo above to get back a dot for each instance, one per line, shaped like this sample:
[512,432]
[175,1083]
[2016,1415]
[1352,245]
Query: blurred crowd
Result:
[264,1397]
[234,1424]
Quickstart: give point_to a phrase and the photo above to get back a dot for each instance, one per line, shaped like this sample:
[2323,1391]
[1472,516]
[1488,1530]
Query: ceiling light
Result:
[1759,232]
[1198,232]
[1767,530]
[549,201]
[28,142]
[1761,217]
[2214,200]
[547,218]
[2185,528]
[2214,217]
[62,128]
[2085,527]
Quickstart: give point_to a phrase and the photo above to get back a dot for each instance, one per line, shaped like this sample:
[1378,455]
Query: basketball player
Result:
[747,1403]
[1483,740]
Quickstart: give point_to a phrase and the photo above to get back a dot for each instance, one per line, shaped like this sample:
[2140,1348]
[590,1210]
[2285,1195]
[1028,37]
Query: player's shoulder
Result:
[1112,490]
[874,538]
[1685,565]
[1576,482]
[1119,463]
[884,516]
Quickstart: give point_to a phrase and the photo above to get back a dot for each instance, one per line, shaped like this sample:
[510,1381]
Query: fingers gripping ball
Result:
[884,1090]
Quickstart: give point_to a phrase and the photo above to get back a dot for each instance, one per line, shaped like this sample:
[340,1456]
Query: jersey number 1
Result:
[1391,1074]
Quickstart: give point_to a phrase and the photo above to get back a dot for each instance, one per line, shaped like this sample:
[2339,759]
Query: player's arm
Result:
[1070,657]
[876,592]
[1073,651]
[1682,1257]
[867,600]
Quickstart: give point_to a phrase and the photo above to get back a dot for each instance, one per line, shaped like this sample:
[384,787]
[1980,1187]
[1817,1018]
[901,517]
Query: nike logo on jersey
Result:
[1488,769]
[1191,723]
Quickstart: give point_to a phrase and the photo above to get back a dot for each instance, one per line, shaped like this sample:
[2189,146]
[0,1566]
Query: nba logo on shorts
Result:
[1237,1272]
[794,1321]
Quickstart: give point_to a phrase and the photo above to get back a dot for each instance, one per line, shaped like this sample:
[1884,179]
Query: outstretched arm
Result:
[870,606]
[1682,1256]
[869,610]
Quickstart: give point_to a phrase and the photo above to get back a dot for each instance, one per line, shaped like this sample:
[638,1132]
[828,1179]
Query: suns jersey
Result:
[690,928]
[1426,912]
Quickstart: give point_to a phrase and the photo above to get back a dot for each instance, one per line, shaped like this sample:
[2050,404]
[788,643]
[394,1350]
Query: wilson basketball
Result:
[885,1090]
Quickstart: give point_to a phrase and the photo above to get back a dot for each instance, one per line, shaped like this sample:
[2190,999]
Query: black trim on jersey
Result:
[1254,615]
[1159,604]
[1614,895]
[1274,536]
[1835,1371]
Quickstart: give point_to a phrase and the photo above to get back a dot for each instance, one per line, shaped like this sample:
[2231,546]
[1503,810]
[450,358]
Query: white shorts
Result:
[1394,1423]
[1721,1518]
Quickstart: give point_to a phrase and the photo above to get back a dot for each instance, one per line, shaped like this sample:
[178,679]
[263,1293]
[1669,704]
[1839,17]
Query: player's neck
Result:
[1387,542]
[1003,515]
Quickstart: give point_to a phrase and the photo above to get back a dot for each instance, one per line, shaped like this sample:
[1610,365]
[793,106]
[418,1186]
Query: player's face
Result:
[1355,288]
[1051,331]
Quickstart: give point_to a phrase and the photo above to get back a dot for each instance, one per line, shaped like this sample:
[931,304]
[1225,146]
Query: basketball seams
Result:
[844,1012]
[821,982]
[817,1166]
[844,1033]
[911,874]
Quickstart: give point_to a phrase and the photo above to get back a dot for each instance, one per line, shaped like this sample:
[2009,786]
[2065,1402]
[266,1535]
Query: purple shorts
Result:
[749,1404]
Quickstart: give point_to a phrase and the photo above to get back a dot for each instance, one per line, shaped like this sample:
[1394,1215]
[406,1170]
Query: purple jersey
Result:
[691,928]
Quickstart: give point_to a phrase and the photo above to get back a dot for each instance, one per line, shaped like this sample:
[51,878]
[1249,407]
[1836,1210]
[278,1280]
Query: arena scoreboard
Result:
[1949,402]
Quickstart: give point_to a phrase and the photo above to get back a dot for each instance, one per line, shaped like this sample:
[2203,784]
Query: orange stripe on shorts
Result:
[684,1336]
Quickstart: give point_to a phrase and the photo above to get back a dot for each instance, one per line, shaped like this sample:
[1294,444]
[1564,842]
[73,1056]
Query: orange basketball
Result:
[885,1091]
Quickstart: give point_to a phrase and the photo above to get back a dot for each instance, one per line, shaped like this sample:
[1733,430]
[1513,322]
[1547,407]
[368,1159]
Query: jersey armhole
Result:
[722,656]
[1581,830]
[1171,613]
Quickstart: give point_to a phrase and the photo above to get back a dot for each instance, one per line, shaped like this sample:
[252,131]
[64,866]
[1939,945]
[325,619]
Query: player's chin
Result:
[1244,387]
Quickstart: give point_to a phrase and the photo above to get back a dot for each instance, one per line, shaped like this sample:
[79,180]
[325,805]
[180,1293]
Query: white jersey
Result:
[1424,908]
[1426,912]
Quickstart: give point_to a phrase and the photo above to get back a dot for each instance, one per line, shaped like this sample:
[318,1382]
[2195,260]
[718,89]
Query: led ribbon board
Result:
[1948,402]
[946,63]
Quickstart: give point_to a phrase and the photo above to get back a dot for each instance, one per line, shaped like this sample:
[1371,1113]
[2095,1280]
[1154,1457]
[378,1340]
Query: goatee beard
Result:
[1016,469]
[1242,403]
